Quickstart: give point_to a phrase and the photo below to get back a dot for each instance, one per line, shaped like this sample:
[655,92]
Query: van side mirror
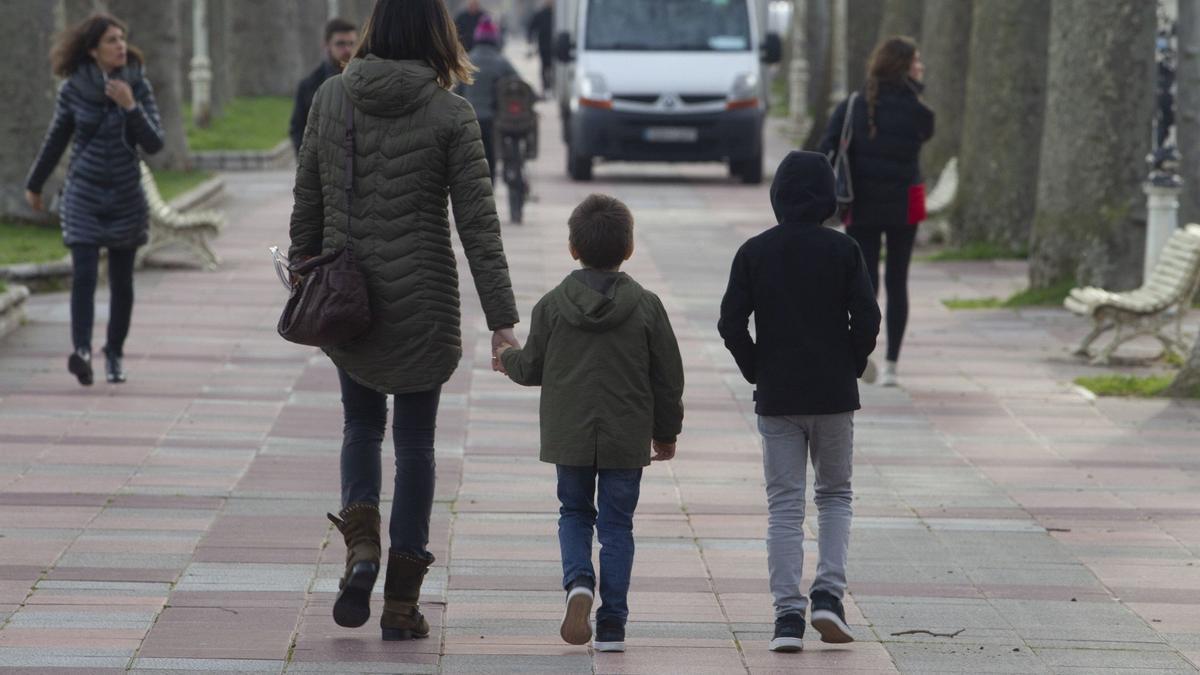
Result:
[563,49]
[772,49]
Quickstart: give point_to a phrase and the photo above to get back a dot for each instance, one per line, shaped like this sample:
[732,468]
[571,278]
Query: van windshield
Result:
[668,25]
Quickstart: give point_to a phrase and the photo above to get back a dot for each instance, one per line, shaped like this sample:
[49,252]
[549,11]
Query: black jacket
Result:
[466,22]
[541,31]
[882,168]
[304,97]
[815,314]
[102,202]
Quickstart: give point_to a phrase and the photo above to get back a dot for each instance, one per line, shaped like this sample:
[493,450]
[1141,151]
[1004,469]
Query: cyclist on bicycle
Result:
[493,67]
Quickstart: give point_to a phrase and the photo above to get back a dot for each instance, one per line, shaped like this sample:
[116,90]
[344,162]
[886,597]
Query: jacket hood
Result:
[584,307]
[387,88]
[88,79]
[802,191]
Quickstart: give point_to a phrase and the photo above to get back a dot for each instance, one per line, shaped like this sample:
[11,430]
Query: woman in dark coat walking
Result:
[106,111]
[890,123]
[416,147]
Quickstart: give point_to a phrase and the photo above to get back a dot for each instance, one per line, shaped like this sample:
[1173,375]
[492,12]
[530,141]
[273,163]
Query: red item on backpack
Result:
[916,203]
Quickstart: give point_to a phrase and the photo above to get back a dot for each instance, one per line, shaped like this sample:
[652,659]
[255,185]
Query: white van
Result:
[663,80]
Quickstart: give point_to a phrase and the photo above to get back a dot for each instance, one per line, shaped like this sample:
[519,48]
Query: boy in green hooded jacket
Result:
[602,349]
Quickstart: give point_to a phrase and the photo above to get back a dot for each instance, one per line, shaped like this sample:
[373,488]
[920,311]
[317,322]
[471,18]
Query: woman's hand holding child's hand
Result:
[662,451]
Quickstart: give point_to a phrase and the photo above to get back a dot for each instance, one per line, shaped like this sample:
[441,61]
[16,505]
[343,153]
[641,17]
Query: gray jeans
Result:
[788,441]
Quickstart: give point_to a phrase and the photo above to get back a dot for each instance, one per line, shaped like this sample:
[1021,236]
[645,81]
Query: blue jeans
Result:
[618,497]
[413,425]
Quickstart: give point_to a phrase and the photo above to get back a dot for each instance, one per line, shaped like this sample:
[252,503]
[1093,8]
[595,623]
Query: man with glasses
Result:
[340,38]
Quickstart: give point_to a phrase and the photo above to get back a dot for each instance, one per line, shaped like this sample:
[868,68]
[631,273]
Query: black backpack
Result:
[514,107]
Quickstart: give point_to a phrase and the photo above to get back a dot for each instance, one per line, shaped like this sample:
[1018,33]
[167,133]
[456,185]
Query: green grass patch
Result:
[780,105]
[1030,297]
[23,243]
[1126,385]
[171,184]
[248,123]
[976,251]
[973,303]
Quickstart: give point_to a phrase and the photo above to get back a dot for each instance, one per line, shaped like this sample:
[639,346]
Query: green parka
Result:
[609,367]
[416,144]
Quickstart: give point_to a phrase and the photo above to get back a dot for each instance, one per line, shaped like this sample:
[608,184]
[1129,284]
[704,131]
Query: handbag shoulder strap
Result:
[847,125]
[348,176]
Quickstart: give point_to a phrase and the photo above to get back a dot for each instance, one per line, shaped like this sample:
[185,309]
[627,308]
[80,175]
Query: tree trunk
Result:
[220,53]
[187,48]
[1091,213]
[28,95]
[818,27]
[1187,382]
[154,27]
[1002,125]
[265,48]
[945,51]
[863,19]
[799,72]
[901,17]
[1187,109]
[76,11]
[311,17]
[357,12]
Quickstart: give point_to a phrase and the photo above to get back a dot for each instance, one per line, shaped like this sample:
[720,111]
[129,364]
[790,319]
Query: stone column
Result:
[1162,209]
[201,73]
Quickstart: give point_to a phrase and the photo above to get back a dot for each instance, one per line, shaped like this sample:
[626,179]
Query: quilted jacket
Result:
[102,201]
[416,146]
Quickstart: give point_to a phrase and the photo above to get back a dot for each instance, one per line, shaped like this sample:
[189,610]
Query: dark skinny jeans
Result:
[85,260]
[900,239]
[413,426]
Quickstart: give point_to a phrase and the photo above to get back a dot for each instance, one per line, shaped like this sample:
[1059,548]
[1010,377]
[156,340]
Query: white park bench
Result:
[1156,308]
[168,226]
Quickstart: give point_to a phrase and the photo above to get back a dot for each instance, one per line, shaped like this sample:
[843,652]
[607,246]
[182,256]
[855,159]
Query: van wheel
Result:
[579,167]
[749,170]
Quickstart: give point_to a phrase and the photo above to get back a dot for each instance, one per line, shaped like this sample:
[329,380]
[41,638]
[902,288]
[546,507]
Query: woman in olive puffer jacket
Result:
[415,145]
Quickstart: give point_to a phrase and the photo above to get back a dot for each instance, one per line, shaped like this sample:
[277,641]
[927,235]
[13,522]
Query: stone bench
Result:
[1156,308]
[168,226]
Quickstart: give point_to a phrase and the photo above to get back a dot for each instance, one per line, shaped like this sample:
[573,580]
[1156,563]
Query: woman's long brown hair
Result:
[890,62]
[70,51]
[417,30]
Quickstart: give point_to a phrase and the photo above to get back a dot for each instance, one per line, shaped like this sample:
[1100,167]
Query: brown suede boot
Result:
[402,619]
[359,524]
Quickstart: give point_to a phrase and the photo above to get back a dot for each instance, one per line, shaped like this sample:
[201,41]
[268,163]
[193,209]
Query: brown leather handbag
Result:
[329,305]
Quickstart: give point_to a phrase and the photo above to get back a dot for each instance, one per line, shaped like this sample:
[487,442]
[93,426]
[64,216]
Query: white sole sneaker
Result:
[608,646]
[787,645]
[831,627]
[576,627]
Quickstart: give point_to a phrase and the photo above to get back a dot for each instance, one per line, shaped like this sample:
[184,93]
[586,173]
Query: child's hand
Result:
[662,451]
[497,362]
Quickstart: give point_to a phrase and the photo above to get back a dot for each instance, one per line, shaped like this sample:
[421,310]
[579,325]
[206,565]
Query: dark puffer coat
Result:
[415,145]
[102,202]
[882,168]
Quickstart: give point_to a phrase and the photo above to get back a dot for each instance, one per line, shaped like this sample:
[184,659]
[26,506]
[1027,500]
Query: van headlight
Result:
[744,93]
[593,92]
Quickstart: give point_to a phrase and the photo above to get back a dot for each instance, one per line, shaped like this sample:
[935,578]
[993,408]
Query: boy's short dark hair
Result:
[337,25]
[601,231]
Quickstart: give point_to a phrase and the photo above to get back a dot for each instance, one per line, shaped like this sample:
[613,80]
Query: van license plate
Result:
[671,134]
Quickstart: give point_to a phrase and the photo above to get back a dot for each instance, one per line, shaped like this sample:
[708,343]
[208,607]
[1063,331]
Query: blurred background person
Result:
[106,111]
[541,34]
[340,36]
[466,21]
[493,66]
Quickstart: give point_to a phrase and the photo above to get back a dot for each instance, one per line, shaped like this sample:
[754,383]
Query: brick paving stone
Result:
[181,516]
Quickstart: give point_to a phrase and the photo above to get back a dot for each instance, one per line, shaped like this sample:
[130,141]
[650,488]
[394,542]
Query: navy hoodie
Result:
[815,314]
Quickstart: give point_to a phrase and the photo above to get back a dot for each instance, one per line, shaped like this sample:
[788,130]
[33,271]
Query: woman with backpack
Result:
[415,146]
[106,112]
[888,124]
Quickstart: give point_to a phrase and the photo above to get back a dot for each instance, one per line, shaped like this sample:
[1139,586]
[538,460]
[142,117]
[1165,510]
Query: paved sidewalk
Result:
[177,522]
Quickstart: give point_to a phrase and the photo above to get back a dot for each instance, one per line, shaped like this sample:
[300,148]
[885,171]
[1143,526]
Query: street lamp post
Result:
[201,66]
[1163,185]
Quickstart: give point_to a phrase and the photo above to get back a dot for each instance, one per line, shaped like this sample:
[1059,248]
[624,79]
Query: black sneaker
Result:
[610,636]
[789,633]
[576,626]
[828,618]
